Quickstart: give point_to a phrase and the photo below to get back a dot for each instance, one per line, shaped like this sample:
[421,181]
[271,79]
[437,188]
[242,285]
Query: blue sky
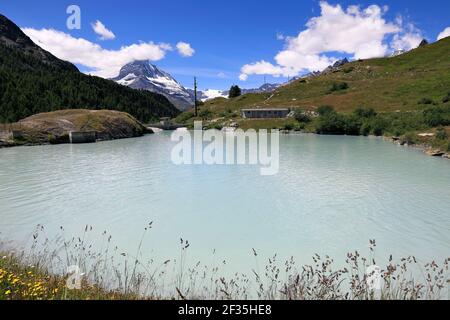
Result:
[226,35]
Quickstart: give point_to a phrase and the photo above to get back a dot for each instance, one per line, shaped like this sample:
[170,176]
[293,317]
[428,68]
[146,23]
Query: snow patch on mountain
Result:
[127,80]
[169,84]
[146,76]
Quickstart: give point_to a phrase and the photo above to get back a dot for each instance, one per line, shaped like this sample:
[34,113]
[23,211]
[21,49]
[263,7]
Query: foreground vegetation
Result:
[21,281]
[41,274]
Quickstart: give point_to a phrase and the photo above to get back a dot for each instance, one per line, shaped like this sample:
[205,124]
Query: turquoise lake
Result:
[331,196]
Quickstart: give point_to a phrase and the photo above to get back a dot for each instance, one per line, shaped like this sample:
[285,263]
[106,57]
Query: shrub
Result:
[338,87]
[51,138]
[348,70]
[323,110]
[366,129]
[331,123]
[437,116]
[301,116]
[216,126]
[182,118]
[205,113]
[362,112]
[379,126]
[289,127]
[410,138]
[343,86]
[446,98]
[441,134]
[425,101]
[352,125]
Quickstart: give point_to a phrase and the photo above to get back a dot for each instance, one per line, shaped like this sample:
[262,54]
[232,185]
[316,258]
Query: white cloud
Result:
[262,67]
[185,49]
[243,77]
[280,36]
[444,34]
[359,32]
[406,41]
[102,31]
[105,63]
[408,38]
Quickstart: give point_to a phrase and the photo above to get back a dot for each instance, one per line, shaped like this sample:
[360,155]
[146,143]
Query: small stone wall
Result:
[82,137]
[16,134]
[265,113]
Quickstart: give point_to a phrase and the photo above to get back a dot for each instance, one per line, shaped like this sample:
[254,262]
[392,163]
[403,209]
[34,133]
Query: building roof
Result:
[267,109]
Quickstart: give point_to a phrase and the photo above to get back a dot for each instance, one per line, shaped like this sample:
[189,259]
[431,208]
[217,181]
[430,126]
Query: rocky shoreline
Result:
[426,148]
[57,133]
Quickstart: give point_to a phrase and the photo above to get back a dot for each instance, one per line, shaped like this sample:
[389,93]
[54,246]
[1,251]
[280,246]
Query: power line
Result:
[195,96]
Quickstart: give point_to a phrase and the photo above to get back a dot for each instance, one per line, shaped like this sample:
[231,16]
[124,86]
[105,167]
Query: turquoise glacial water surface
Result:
[331,196]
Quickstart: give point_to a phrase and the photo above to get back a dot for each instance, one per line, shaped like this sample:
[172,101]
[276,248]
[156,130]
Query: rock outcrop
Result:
[54,127]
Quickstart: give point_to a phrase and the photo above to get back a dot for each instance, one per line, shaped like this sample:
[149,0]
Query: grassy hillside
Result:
[386,84]
[401,96]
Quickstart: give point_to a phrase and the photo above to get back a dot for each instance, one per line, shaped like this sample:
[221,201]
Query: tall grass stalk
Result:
[112,274]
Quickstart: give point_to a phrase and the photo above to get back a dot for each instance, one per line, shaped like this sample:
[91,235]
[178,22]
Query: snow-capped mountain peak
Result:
[146,76]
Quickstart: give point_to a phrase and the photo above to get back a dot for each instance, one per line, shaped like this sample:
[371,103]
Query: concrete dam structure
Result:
[82,137]
[266,113]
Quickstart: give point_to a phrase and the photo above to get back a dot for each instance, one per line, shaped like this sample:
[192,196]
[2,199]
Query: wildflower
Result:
[8,292]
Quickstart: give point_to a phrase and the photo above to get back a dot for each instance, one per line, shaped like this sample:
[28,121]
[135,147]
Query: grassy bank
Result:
[109,274]
[428,127]
[22,281]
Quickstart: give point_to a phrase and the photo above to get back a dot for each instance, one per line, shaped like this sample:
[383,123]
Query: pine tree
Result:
[235,91]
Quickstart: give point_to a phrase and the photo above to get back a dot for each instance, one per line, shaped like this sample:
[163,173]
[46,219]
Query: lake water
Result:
[331,196]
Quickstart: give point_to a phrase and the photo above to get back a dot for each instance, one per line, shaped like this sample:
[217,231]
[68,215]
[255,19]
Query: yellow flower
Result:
[8,292]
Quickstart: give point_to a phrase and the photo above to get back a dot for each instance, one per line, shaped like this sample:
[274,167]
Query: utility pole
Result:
[195,96]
